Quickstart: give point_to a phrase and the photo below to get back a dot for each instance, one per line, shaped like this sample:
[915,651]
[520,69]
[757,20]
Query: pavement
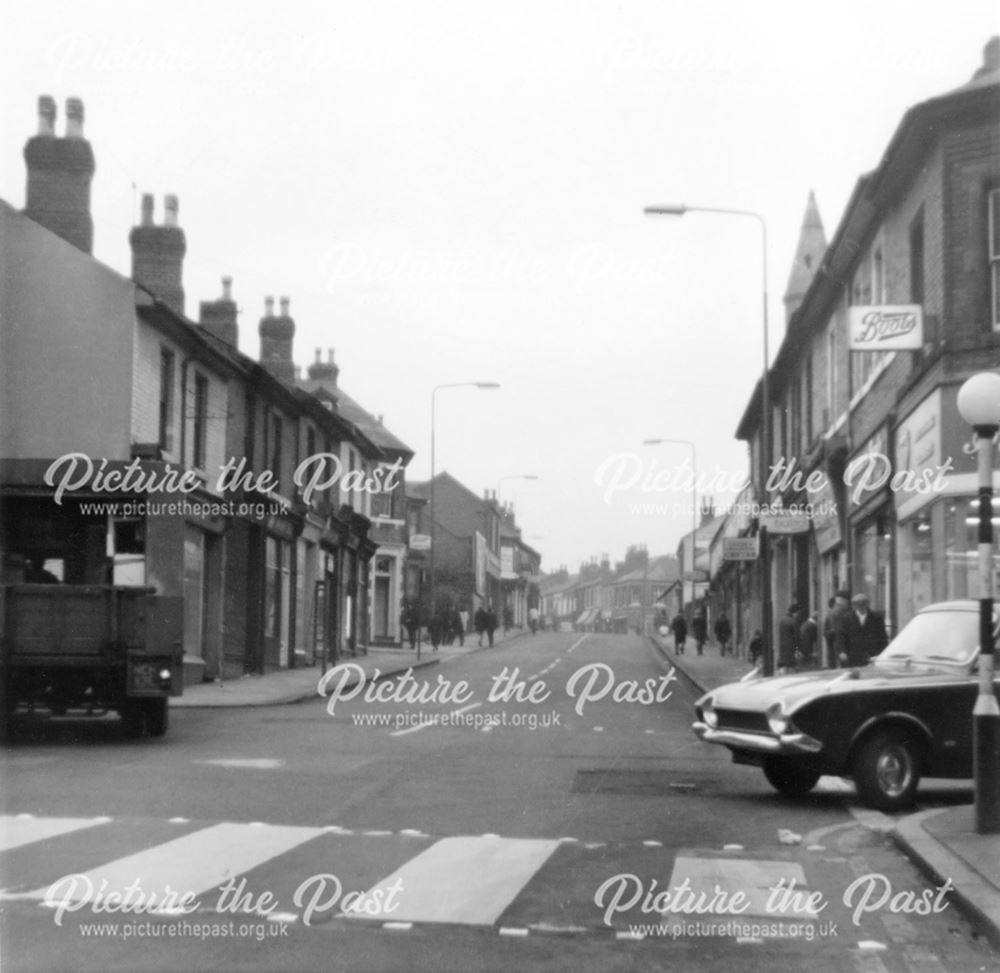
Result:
[293,685]
[943,843]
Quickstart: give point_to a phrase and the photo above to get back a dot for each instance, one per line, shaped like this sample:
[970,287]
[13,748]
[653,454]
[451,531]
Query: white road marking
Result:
[197,863]
[244,763]
[23,829]
[577,643]
[755,879]
[433,721]
[467,880]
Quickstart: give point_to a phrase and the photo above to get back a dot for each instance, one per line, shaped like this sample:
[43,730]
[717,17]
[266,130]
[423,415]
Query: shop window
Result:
[916,585]
[962,548]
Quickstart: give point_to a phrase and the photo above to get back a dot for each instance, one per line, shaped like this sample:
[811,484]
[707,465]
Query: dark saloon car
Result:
[905,715]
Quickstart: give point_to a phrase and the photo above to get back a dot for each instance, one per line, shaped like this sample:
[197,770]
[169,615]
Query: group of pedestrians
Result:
[446,626]
[851,631]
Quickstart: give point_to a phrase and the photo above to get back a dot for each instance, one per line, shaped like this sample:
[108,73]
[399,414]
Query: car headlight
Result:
[708,713]
[777,719]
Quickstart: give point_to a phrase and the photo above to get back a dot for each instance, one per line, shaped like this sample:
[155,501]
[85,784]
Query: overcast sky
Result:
[453,191]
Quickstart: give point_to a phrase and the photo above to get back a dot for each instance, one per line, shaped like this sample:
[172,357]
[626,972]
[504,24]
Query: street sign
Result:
[740,548]
[420,542]
[788,523]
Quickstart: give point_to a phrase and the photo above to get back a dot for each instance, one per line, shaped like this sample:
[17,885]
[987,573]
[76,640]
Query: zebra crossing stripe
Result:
[196,863]
[754,878]
[17,830]
[465,880]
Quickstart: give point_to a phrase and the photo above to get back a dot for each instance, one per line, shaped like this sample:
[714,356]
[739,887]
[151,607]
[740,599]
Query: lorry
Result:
[89,650]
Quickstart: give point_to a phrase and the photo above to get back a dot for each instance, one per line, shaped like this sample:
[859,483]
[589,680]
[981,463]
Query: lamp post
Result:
[434,392]
[694,499]
[979,405]
[679,209]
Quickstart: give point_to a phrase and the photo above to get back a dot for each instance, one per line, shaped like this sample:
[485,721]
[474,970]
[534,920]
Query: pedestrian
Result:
[723,632]
[756,647]
[508,618]
[456,630]
[411,622]
[808,641]
[491,623]
[828,631]
[699,629]
[533,616]
[840,629]
[788,639]
[463,614]
[867,633]
[479,620]
[435,629]
[680,629]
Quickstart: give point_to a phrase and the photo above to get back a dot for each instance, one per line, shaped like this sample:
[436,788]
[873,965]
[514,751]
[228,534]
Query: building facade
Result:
[871,439]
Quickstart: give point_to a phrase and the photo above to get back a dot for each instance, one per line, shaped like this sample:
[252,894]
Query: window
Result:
[200,420]
[917,258]
[166,440]
[878,276]
[276,433]
[994,254]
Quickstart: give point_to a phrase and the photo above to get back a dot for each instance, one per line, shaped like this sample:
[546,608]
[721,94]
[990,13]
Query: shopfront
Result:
[938,517]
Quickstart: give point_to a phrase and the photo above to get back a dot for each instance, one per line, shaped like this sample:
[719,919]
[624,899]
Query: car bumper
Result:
[787,744]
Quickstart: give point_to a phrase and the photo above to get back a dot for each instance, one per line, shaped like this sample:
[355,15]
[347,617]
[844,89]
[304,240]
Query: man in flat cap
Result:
[866,632]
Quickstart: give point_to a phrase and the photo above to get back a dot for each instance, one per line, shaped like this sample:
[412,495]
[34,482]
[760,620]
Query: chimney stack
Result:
[158,253]
[60,171]
[324,372]
[276,335]
[218,317]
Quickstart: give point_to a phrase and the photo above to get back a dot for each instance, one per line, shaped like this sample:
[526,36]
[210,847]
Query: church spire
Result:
[808,254]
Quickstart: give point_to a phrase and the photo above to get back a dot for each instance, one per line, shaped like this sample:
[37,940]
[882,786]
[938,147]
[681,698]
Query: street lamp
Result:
[979,406]
[434,392]
[694,500]
[679,209]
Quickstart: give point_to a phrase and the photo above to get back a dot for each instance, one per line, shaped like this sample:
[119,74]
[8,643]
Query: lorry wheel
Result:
[787,776]
[157,714]
[132,718]
[887,770]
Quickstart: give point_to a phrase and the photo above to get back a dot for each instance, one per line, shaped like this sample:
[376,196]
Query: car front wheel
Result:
[787,776]
[887,770]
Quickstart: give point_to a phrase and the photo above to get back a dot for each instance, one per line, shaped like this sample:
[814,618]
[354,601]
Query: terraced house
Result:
[140,447]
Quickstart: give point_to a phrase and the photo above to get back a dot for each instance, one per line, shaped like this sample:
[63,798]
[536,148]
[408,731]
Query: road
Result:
[541,805]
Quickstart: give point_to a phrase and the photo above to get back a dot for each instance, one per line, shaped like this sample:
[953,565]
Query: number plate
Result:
[144,676]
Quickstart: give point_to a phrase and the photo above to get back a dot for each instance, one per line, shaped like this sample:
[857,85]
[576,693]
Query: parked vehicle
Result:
[906,715]
[89,650]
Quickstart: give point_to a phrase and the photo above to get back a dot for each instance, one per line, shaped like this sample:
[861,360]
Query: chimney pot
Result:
[46,115]
[74,118]
[269,307]
[319,355]
[284,306]
[170,210]
[147,209]
[329,355]
[227,288]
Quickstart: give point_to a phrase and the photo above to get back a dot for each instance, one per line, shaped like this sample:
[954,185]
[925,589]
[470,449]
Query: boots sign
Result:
[887,327]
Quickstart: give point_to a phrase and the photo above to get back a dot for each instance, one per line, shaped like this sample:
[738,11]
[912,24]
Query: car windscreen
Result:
[936,636]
